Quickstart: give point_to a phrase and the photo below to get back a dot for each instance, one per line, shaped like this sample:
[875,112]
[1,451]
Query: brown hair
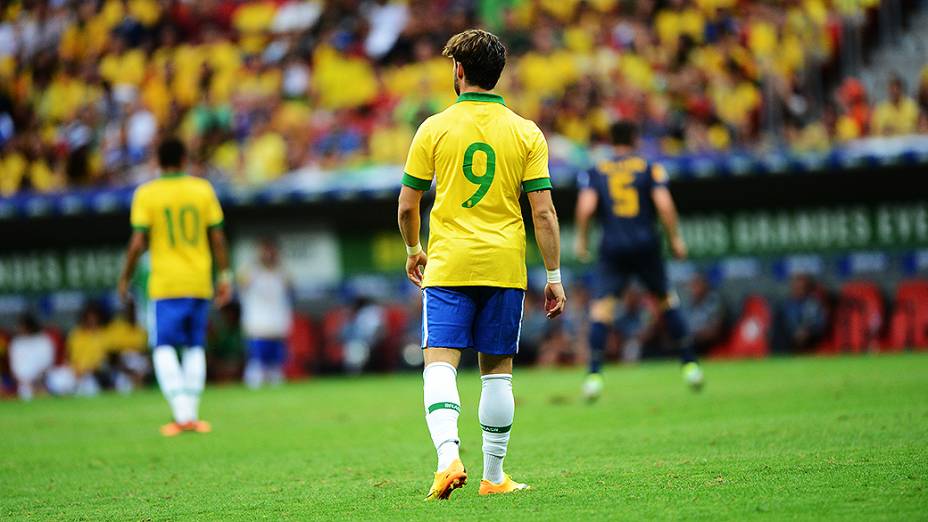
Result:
[482,55]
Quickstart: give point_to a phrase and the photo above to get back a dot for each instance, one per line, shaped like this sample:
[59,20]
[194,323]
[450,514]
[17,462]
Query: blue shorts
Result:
[484,318]
[615,272]
[180,323]
[270,352]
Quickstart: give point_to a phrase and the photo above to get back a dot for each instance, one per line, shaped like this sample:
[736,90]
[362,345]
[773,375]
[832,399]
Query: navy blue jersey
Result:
[626,209]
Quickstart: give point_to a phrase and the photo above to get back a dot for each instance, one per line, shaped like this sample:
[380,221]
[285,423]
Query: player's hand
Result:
[414,266]
[123,289]
[223,293]
[678,247]
[582,250]
[555,300]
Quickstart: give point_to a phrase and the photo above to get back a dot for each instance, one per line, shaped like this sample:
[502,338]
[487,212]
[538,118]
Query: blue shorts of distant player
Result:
[180,322]
[487,319]
[269,352]
[614,273]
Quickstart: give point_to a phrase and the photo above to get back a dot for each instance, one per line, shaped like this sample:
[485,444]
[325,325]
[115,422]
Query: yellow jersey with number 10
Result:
[482,156]
[177,211]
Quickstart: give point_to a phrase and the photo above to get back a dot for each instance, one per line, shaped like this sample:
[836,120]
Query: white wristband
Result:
[413,250]
[554,276]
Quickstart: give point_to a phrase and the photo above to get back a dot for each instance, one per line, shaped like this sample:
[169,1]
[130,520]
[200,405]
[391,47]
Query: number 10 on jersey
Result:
[185,225]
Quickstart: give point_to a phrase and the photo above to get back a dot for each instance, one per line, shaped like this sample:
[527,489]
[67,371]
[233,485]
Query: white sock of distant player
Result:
[497,408]
[442,408]
[253,374]
[171,380]
[275,375]
[194,367]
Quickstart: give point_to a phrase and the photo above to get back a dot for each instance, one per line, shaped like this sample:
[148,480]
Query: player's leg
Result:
[274,363]
[609,282]
[496,337]
[654,277]
[165,322]
[447,319]
[194,361]
[254,368]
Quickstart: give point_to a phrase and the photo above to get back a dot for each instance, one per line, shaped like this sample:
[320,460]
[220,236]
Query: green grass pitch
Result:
[836,438]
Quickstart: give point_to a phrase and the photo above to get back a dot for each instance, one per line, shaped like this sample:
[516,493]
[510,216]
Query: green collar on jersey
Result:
[481,97]
[173,174]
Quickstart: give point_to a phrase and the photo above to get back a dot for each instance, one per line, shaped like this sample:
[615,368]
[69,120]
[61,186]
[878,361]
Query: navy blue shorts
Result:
[178,322]
[484,318]
[271,352]
[615,272]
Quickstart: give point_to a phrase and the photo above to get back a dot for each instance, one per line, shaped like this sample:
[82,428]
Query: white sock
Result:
[275,375]
[253,374]
[170,380]
[194,366]
[25,391]
[442,408]
[497,408]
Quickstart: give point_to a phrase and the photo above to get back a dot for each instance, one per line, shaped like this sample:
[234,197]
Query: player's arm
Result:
[217,242]
[587,200]
[138,243]
[417,178]
[140,217]
[548,237]
[407,217]
[667,211]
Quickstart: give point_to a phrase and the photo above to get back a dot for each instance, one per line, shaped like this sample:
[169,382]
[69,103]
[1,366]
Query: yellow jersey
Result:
[86,349]
[177,211]
[483,156]
[125,337]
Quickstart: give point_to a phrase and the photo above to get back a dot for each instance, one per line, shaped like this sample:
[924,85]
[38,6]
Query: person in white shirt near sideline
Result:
[32,354]
[266,316]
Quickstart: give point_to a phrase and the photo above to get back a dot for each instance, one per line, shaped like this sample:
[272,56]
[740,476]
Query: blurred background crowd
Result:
[263,88]
[107,348]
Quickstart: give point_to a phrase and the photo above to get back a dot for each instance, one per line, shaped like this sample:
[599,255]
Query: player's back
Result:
[177,212]
[626,208]
[484,156]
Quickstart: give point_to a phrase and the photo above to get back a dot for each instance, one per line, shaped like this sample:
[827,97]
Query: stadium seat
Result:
[908,327]
[858,318]
[332,348]
[302,347]
[61,350]
[386,354]
[750,335]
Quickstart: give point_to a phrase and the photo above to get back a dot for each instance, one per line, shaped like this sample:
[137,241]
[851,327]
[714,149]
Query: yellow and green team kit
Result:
[176,211]
[482,156]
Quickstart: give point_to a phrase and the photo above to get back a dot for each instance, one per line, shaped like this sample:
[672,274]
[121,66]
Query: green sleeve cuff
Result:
[533,185]
[140,228]
[416,183]
[215,225]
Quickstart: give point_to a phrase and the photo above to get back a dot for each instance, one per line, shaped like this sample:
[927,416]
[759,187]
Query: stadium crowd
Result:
[261,88]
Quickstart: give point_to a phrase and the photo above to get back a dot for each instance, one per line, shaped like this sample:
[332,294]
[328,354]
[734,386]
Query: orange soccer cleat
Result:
[198,426]
[171,429]
[447,480]
[506,486]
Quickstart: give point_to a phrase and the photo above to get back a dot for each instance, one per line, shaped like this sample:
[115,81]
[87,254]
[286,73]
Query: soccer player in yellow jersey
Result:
[178,217]
[482,156]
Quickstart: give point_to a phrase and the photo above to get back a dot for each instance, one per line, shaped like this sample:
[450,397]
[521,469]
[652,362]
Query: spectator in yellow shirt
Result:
[897,115]
[127,342]
[87,350]
[265,156]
